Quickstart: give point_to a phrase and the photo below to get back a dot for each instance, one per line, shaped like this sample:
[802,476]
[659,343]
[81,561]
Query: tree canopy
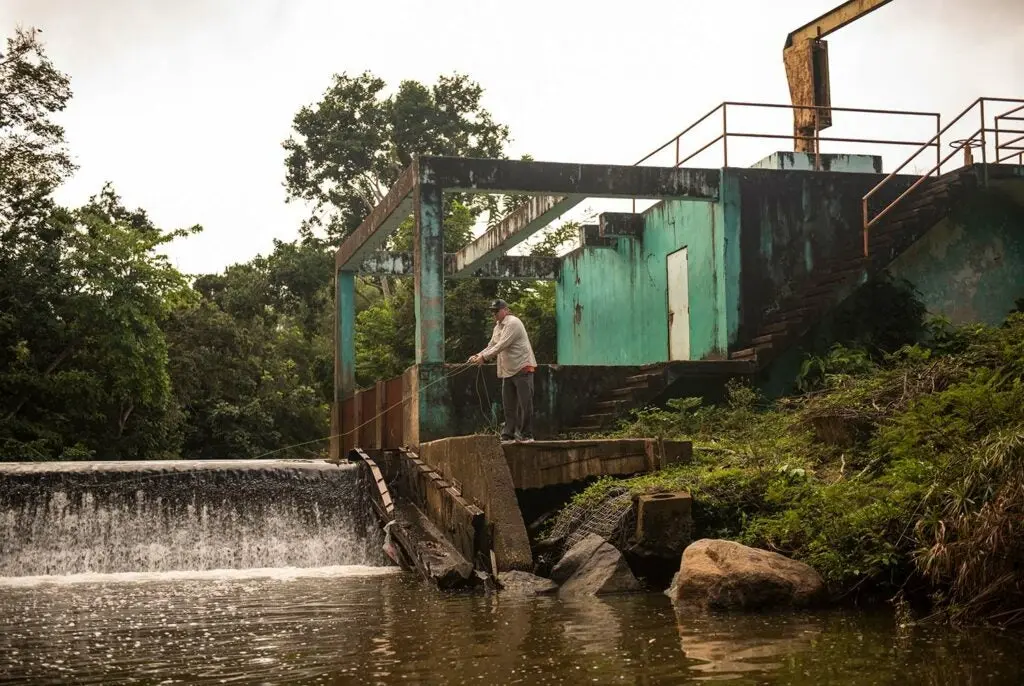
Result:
[107,351]
[348,149]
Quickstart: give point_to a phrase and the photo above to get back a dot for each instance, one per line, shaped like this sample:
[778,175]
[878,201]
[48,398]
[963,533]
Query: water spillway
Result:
[64,518]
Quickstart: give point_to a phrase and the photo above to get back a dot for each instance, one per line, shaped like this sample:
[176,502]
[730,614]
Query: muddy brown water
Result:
[367,625]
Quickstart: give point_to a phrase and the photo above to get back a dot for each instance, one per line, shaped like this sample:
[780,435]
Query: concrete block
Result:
[478,464]
[802,161]
[664,524]
[550,463]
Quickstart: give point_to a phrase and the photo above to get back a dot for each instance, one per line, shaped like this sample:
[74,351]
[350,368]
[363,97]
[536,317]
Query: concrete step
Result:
[790,314]
[825,289]
[583,429]
[835,276]
[776,338]
[753,351]
[777,327]
[745,354]
[643,378]
[853,262]
[615,406]
[601,418]
[622,393]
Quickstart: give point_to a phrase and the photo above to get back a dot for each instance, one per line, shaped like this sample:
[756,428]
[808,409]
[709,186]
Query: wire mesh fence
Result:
[610,519]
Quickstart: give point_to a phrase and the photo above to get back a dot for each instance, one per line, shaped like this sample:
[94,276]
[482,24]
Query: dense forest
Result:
[107,351]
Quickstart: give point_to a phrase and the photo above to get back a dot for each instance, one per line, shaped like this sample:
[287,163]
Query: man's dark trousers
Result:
[517,399]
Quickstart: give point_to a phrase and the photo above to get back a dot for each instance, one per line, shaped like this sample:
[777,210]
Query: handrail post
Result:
[864,212]
[997,138]
[984,155]
[938,143]
[725,134]
[677,150]
[817,142]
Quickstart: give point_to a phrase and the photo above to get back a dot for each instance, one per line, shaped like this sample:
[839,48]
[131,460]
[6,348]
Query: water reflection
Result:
[744,645]
[345,627]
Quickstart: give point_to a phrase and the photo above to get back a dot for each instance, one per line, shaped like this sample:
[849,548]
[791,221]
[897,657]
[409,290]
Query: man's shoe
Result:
[508,439]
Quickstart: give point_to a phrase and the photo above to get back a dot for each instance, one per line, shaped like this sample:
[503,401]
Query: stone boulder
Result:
[723,575]
[526,584]
[594,567]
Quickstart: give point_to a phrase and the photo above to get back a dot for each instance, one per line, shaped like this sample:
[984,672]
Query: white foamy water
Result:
[272,573]
[84,519]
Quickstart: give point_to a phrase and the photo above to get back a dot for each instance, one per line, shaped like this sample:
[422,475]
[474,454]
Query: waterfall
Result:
[60,518]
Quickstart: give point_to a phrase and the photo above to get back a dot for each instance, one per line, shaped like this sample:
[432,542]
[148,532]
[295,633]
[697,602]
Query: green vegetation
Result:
[894,473]
[109,352]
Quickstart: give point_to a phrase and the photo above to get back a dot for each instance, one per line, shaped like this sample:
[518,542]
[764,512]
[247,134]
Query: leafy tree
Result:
[33,155]
[86,359]
[244,387]
[349,148]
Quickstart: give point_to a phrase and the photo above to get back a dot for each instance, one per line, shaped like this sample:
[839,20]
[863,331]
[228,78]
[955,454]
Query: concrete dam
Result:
[75,518]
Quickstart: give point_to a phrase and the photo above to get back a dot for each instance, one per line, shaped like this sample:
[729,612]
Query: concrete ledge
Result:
[621,225]
[550,463]
[476,467]
[476,175]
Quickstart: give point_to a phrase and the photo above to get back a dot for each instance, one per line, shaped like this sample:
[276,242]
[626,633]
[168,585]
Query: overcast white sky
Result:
[183,104]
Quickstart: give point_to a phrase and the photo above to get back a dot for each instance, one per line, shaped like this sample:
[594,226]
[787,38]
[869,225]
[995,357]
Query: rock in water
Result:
[524,583]
[594,567]
[723,575]
[575,558]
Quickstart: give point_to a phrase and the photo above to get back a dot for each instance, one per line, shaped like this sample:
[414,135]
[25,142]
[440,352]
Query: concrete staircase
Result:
[615,403]
[835,280]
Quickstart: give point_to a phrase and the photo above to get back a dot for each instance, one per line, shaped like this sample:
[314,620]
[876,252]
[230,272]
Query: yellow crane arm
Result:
[833,20]
[806,60]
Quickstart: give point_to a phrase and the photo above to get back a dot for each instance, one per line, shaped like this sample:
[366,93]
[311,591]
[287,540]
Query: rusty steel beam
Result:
[833,20]
[525,221]
[380,223]
[507,268]
[473,175]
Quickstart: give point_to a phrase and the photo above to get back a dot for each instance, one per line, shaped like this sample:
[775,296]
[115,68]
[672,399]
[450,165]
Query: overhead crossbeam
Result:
[474,175]
[572,182]
[506,268]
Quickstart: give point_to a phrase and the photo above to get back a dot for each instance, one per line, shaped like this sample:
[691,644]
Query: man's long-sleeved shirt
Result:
[510,344]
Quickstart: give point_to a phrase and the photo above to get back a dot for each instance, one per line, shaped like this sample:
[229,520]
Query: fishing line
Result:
[460,368]
[147,477]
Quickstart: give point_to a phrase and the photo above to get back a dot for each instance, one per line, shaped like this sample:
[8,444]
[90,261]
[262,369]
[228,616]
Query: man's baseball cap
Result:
[498,305]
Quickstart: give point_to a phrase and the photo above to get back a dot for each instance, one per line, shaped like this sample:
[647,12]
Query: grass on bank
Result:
[898,473]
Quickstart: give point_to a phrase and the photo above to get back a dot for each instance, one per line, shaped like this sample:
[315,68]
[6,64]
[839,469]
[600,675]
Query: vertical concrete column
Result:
[428,259]
[344,349]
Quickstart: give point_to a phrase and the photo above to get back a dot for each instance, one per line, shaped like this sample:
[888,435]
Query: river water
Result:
[372,625]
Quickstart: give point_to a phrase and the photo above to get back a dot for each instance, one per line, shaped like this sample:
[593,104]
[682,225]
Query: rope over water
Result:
[461,367]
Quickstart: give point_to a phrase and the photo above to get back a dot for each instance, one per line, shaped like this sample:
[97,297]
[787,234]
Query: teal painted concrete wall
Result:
[764,235]
[612,303]
[970,267]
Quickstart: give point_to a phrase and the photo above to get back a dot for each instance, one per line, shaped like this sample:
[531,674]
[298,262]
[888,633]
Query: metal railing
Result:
[1015,150]
[723,110]
[975,140]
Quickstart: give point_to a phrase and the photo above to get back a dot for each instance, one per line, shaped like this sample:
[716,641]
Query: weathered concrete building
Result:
[722,277]
[731,272]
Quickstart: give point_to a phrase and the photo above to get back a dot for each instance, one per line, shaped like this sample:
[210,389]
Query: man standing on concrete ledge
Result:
[516,365]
